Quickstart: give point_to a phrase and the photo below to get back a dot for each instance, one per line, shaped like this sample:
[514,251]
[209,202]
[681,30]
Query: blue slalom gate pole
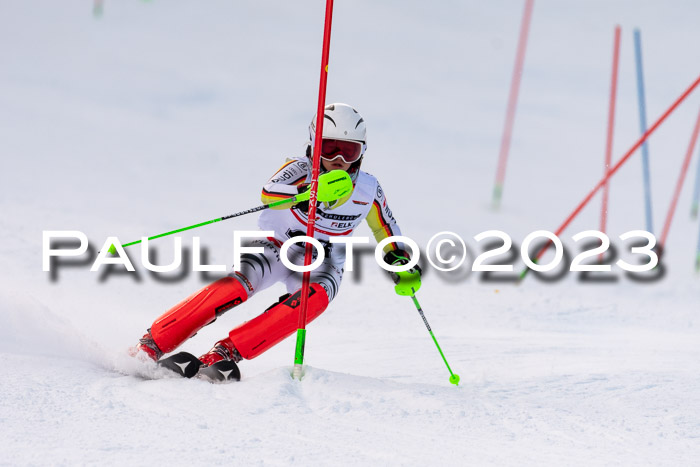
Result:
[643,127]
[696,193]
[694,212]
[697,255]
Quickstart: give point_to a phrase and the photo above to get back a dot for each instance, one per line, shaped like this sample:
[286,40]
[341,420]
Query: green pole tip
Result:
[112,249]
[454,379]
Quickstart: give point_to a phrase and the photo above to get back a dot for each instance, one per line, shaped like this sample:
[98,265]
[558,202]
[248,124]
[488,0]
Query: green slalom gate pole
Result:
[454,378]
[295,199]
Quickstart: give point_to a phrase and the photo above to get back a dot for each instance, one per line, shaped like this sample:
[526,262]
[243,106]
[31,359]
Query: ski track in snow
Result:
[115,409]
[338,418]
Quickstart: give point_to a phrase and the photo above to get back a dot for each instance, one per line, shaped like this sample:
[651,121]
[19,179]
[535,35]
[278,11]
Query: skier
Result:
[343,147]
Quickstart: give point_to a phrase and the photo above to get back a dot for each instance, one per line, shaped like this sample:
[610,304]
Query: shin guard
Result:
[279,321]
[183,320]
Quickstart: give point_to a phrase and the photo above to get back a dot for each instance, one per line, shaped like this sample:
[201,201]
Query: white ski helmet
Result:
[341,122]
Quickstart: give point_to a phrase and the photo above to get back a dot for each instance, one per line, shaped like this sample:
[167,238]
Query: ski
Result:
[225,370]
[183,363]
[187,365]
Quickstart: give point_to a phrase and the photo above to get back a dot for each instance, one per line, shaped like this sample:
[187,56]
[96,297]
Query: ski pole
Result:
[454,378]
[337,183]
[295,199]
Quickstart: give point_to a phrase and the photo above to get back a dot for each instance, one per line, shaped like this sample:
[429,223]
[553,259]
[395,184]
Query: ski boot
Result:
[219,364]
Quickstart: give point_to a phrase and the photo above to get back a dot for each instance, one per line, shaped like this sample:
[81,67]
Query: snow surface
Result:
[163,114]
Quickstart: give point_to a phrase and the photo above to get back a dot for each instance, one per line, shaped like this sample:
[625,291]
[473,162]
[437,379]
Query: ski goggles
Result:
[348,151]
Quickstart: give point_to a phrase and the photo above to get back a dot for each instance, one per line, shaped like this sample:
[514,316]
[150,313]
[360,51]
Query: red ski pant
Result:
[258,272]
[277,323]
[183,320]
[251,338]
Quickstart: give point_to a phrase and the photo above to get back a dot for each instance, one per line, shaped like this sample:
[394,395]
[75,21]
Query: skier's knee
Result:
[244,281]
[277,322]
[330,288]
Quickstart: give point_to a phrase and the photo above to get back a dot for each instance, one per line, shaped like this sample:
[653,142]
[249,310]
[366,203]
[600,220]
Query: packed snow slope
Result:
[157,115]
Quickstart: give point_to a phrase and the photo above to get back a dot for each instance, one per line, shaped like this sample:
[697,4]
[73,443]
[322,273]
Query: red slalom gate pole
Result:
[611,126]
[679,185]
[512,104]
[315,171]
[615,168]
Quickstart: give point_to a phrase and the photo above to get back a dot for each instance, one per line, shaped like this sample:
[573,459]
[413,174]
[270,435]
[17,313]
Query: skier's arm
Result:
[381,221]
[289,181]
[383,225]
[285,183]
